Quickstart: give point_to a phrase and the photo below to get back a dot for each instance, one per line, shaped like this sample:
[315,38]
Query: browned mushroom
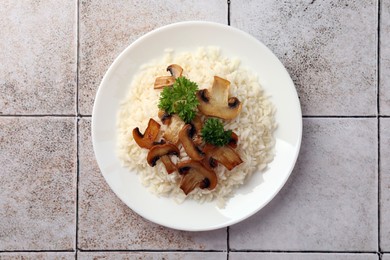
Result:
[195,174]
[197,123]
[185,137]
[164,81]
[216,102]
[146,140]
[163,152]
[175,70]
[233,140]
[225,155]
[165,118]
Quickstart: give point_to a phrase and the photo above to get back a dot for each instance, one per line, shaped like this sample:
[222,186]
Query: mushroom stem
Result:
[163,152]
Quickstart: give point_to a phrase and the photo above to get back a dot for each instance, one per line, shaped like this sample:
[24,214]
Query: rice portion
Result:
[254,126]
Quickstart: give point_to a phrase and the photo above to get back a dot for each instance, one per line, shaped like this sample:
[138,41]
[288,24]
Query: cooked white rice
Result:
[254,125]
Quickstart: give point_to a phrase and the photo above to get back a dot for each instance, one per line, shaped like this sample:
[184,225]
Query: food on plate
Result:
[147,139]
[211,126]
[163,152]
[180,99]
[216,101]
[195,174]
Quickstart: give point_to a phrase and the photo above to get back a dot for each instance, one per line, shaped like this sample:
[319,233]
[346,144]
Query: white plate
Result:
[252,196]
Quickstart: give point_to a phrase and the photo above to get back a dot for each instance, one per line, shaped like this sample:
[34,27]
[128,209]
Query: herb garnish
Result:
[180,99]
[213,132]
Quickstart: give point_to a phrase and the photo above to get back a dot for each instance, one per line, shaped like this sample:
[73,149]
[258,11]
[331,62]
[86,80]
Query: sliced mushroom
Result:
[225,155]
[163,152]
[197,123]
[175,70]
[233,140]
[165,118]
[164,81]
[146,140]
[195,174]
[216,102]
[171,134]
[185,137]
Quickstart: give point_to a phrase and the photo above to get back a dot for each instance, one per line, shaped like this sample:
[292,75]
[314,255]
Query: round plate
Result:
[250,197]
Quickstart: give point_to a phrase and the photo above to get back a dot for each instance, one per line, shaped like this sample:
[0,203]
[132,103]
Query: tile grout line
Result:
[378,126]
[227,243]
[228,12]
[77,125]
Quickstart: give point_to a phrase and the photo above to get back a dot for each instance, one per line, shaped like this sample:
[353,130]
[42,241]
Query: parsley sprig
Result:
[213,132]
[180,99]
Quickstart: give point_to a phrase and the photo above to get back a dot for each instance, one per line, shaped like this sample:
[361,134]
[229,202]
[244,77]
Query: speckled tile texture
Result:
[301,256]
[153,255]
[328,47]
[385,183]
[38,183]
[330,200]
[386,257]
[38,256]
[38,57]
[106,223]
[384,88]
[108,27]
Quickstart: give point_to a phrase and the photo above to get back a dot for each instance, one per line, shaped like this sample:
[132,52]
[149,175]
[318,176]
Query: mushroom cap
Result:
[195,174]
[146,140]
[185,137]
[216,102]
[157,151]
[175,70]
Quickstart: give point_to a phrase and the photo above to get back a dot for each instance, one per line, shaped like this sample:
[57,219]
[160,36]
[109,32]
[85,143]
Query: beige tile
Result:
[330,202]
[152,255]
[301,256]
[108,27]
[38,183]
[384,88]
[328,47]
[38,256]
[38,57]
[385,183]
[106,223]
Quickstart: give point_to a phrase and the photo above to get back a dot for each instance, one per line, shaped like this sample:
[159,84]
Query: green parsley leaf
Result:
[180,99]
[213,132]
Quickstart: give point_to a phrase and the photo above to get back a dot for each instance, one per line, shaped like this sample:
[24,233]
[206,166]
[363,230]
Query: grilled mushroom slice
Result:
[146,140]
[175,70]
[197,123]
[195,174]
[225,155]
[165,118]
[185,137]
[164,81]
[216,102]
[163,152]
[233,140]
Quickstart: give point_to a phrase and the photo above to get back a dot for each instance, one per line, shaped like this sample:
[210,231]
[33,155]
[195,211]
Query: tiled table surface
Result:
[54,202]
